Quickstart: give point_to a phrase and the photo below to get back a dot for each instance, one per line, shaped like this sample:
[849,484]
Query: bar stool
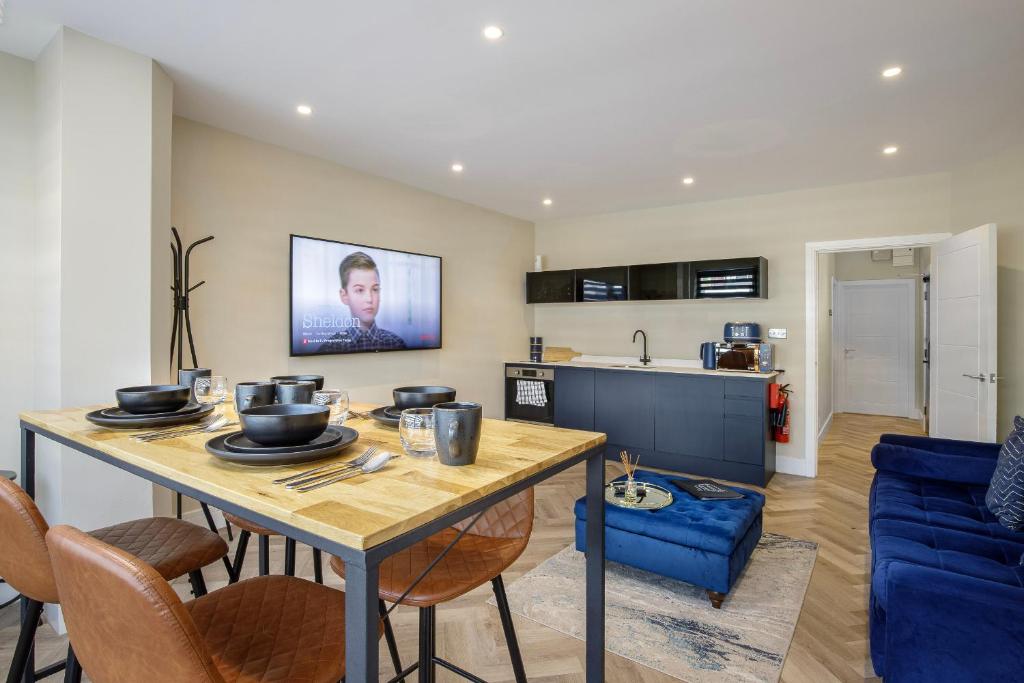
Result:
[270,629]
[247,529]
[445,566]
[173,547]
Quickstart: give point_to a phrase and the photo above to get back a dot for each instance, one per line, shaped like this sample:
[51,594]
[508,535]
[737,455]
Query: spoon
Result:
[217,424]
[376,462]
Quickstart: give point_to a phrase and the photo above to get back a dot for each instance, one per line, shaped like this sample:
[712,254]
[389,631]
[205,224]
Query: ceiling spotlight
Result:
[304,109]
[891,149]
[457,168]
[493,32]
[688,180]
[547,201]
[892,72]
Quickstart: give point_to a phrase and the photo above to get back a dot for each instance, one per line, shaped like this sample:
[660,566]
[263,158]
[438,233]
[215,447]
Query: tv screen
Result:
[349,298]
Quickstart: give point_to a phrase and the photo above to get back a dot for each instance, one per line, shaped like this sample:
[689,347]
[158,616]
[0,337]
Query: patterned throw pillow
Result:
[1005,496]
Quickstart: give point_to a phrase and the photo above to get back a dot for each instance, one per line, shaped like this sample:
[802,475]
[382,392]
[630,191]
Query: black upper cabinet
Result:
[737,278]
[654,281]
[602,284]
[551,286]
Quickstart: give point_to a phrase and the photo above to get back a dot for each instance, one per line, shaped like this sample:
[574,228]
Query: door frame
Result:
[909,333]
[808,465]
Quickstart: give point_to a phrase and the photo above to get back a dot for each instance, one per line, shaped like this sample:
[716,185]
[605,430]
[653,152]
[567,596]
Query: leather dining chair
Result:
[278,629]
[484,551]
[247,529]
[173,547]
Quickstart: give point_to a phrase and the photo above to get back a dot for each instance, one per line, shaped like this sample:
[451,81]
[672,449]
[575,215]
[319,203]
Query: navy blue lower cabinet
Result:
[574,398]
[688,415]
[624,408]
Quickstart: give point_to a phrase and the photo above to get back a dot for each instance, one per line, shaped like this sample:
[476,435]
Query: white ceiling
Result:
[602,105]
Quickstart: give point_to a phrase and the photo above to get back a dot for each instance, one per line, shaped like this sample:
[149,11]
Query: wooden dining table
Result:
[364,519]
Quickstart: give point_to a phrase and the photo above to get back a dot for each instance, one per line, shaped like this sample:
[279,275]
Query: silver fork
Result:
[323,471]
[176,428]
[376,463]
[215,426]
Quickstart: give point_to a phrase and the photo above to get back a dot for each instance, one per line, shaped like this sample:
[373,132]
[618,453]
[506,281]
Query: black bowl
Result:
[316,379]
[153,398]
[285,424]
[421,397]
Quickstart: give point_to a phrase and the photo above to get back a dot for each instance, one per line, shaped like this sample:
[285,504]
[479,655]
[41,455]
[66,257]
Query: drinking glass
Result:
[211,390]
[416,431]
[336,400]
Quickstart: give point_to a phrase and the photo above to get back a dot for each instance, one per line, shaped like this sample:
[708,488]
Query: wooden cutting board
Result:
[554,354]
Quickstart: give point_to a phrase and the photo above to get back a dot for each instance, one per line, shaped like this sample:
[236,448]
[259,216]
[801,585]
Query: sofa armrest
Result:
[950,627]
[947,446]
[914,462]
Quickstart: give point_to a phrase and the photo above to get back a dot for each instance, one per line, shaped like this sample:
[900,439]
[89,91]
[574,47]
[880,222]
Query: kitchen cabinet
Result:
[551,286]
[574,398]
[624,408]
[688,415]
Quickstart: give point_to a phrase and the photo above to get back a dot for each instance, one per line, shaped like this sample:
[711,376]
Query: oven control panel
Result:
[530,373]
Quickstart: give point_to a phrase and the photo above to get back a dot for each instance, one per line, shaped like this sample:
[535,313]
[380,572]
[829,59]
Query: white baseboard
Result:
[197,517]
[798,466]
[824,428]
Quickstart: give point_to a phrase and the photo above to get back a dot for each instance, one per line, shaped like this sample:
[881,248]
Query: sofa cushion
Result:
[715,526]
[1005,497]
[968,554]
[936,503]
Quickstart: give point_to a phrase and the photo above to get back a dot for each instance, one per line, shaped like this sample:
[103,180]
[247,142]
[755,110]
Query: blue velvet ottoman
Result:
[707,543]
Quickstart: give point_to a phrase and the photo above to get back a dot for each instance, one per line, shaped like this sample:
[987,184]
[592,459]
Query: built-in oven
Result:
[530,393]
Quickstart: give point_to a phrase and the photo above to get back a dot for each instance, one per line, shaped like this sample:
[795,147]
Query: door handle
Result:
[980,378]
[849,350]
[992,377]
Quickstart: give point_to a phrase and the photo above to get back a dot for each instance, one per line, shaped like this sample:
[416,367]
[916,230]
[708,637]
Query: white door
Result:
[963,336]
[875,353]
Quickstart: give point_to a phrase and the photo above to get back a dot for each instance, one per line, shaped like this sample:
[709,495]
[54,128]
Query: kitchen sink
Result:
[635,367]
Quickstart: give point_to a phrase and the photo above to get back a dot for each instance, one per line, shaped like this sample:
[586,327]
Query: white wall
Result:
[774,226]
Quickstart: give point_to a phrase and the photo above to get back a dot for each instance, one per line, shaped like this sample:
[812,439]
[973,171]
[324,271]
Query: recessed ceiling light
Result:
[493,32]
[457,167]
[892,72]
[688,180]
[304,109]
[547,201]
[891,149]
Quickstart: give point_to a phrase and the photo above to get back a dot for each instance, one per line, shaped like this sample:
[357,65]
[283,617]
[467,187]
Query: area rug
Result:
[669,625]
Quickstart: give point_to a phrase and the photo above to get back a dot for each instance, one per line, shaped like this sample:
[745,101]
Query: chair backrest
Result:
[510,518]
[24,560]
[124,620]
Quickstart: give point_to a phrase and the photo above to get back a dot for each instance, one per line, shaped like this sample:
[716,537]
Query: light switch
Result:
[777,333]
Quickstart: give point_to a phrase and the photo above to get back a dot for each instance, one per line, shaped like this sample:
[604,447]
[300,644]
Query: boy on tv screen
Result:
[360,291]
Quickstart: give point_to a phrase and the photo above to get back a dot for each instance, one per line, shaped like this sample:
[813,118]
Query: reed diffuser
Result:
[629,497]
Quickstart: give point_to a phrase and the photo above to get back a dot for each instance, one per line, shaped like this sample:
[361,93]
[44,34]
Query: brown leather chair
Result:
[263,534]
[488,548]
[127,624]
[173,547]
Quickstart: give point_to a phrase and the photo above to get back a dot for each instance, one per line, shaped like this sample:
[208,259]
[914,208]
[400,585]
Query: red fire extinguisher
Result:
[778,403]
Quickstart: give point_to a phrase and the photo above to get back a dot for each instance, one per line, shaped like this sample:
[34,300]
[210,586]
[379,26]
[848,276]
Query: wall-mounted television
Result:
[351,298]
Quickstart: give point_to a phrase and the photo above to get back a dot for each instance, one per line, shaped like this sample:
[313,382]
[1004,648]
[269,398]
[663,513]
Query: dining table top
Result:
[360,512]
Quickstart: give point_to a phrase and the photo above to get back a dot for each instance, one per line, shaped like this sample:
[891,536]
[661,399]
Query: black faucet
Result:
[644,359]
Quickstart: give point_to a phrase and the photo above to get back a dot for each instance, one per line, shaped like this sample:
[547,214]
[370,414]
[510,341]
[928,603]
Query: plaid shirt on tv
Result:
[360,339]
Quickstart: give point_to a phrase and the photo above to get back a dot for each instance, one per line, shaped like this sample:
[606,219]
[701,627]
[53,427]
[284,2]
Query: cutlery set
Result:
[370,461]
[173,433]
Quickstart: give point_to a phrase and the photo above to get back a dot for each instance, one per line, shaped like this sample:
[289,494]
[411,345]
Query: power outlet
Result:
[777,333]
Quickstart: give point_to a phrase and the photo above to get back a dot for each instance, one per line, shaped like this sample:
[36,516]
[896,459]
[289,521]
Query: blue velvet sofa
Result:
[947,584]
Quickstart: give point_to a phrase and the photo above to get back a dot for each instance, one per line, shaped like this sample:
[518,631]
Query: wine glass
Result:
[336,400]
[211,390]
[416,432]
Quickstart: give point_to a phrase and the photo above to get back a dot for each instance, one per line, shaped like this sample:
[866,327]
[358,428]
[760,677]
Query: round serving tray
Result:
[650,496]
[146,421]
[216,448]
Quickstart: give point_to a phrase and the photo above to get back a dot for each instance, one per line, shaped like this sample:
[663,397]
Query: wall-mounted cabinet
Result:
[739,278]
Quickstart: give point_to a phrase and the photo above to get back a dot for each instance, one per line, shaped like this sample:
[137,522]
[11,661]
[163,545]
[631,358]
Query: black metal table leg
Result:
[28,483]
[595,567]
[361,620]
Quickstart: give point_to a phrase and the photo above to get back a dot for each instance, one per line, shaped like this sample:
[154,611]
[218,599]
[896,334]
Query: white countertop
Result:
[674,365]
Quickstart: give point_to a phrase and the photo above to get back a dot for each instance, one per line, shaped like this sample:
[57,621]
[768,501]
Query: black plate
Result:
[118,414]
[237,442]
[381,416]
[394,412]
[216,448]
[145,421]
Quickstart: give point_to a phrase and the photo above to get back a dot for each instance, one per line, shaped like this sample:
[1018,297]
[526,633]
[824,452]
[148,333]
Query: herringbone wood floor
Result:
[831,636]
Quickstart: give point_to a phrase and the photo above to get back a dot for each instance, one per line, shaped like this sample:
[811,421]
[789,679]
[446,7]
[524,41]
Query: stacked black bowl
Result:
[284,424]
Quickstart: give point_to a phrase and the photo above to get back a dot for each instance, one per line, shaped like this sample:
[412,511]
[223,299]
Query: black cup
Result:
[457,432]
[254,395]
[316,379]
[294,392]
[188,376]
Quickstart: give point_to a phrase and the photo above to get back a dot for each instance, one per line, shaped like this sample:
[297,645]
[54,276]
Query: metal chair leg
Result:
[227,528]
[243,543]
[264,556]
[195,578]
[289,557]
[209,517]
[426,661]
[22,669]
[72,668]
[318,566]
[509,628]
[389,636]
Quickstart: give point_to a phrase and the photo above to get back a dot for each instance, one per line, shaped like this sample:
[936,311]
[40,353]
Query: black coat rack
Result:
[182,322]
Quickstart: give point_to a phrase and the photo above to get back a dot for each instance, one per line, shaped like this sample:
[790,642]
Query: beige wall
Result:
[251,195]
[992,191]
[774,226]
[826,272]
[858,265]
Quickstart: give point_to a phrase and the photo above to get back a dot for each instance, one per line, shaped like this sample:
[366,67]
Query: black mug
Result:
[188,376]
[294,392]
[253,395]
[457,432]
